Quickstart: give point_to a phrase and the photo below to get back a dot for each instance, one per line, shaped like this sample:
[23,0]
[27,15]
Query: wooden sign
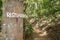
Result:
[12,27]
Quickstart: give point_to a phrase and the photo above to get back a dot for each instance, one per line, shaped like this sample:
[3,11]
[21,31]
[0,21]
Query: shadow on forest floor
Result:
[53,34]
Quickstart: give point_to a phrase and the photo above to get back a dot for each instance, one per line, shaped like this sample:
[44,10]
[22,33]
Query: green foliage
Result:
[0,13]
[27,29]
[0,9]
[1,2]
[42,9]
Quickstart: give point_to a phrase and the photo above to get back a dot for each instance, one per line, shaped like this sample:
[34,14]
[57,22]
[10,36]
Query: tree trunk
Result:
[12,27]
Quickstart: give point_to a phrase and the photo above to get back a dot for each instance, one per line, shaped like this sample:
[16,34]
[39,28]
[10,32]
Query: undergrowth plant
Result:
[42,11]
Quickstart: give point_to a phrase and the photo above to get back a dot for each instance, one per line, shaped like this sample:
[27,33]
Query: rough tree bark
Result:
[12,27]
